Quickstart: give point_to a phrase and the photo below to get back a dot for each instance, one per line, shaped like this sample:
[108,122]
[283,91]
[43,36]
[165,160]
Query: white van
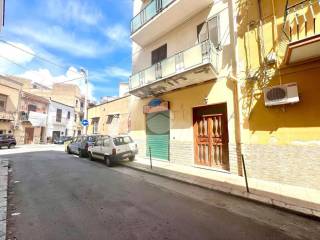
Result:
[113,148]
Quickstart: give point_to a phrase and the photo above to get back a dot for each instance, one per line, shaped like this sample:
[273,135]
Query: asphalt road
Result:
[57,196]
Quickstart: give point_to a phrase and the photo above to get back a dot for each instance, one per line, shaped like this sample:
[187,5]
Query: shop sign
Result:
[156,105]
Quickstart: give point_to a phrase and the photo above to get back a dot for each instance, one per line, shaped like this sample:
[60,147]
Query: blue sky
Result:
[93,34]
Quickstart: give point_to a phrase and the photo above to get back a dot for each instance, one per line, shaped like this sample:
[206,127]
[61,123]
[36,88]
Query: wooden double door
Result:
[211,136]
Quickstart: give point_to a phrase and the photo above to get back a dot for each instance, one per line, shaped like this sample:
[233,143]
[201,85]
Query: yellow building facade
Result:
[109,118]
[9,104]
[278,44]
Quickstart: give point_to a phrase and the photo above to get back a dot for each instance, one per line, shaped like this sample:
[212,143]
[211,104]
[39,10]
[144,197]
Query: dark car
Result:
[61,140]
[7,140]
[79,145]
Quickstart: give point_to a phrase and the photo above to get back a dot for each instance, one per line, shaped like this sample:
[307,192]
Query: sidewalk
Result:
[3,197]
[298,199]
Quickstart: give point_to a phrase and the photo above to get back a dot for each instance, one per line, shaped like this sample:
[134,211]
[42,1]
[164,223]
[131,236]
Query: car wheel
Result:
[10,146]
[108,161]
[68,150]
[90,156]
[132,158]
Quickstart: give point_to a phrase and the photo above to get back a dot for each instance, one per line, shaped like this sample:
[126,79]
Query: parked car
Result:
[111,149]
[79,145]
[61,140]
[7,140]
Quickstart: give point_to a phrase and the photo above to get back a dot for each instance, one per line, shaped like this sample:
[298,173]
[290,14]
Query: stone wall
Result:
[297,165]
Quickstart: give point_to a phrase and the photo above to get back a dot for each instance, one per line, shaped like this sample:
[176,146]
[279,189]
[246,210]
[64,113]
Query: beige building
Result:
[110,118]
[184,104]
[67,94]
[9,104]
[32,119]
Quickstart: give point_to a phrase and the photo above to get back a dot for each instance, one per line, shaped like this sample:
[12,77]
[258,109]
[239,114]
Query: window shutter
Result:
[202,32]
[159,54]
[213,26]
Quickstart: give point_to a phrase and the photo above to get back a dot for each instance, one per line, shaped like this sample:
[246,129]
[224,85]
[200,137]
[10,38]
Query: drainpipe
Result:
[236,87]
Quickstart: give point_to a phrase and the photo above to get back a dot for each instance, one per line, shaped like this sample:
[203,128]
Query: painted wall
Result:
[117,126]
[281,143]
[11,89]
[182,103]
[65,122]
[184,37]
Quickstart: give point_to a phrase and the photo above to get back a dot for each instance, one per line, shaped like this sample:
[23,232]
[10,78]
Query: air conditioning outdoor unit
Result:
[282,94]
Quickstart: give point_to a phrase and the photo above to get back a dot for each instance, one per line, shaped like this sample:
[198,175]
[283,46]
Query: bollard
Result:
[150,157]
[245,172]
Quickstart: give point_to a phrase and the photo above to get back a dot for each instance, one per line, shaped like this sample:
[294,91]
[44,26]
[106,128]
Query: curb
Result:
[4,167]
[290,208]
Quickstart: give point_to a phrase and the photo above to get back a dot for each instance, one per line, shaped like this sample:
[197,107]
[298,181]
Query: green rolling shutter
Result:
[158,134]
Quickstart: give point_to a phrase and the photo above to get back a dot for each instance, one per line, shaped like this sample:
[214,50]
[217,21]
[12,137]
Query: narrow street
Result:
[53,195]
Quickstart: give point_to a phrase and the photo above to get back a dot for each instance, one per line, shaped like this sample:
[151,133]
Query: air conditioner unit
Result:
[280,95]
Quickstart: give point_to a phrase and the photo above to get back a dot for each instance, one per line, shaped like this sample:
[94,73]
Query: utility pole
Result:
[85,74]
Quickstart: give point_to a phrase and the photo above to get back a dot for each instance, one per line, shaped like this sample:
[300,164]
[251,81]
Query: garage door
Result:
[158,135]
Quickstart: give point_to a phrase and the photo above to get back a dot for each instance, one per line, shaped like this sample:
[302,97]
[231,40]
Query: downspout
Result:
[236,87]
[260,37]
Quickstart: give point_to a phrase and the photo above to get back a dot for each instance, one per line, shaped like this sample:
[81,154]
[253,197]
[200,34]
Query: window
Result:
[106,142]
[58,115]
[98,142]
[75,117]
[68,115]
[81,104]
[202,32]
[159,54]
[3,103]
[95,127]
[122,140]
[213,27]
[76,103]
[209,30]
[111,117]
[32,108]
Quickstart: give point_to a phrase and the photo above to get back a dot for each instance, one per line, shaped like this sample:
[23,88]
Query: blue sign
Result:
[85,122]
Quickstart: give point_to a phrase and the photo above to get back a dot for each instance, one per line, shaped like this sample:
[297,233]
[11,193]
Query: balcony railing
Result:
[6,116]
[301,19]
[150,11]
[203,53]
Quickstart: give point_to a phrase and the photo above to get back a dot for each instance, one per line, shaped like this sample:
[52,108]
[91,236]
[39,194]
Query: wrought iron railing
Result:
[6,116]
[197,55]
[301,20]
[152,9]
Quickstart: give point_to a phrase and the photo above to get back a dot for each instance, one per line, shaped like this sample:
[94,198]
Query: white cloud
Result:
[45,77]
[56,37]
[10,55]
[117,72]
[74,11]
[118,34]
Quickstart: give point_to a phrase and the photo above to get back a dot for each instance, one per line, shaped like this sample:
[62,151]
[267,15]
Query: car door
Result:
[106,147]
[96,149]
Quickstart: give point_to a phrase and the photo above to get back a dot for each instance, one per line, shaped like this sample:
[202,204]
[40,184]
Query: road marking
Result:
[15,214]
[16,182]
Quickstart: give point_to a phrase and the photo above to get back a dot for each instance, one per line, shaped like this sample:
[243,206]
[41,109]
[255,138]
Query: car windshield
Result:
[122,140]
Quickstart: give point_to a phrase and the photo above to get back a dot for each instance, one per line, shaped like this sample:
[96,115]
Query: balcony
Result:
[36,119]
[161,16]
[192,66]
[6,116]
[301,31]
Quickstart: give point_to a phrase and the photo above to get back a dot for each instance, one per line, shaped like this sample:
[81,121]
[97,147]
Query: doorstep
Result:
[300,200]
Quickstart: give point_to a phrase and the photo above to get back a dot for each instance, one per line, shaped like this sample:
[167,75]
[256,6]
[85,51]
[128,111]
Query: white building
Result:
[60,120]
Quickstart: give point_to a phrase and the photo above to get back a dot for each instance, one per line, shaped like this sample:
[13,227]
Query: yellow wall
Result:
[285,124]
[12,90]
[117,106]
[182,103]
